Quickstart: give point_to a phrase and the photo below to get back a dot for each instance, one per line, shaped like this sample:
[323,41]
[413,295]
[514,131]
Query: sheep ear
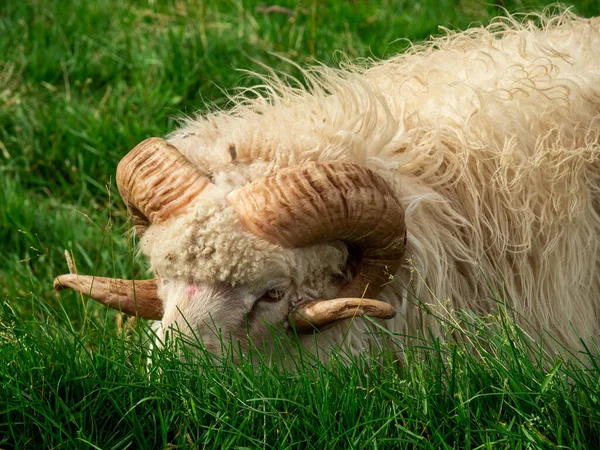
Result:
[316,315]
[134,297]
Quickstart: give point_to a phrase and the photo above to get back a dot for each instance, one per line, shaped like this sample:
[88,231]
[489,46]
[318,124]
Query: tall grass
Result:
[82,82]
[74,387]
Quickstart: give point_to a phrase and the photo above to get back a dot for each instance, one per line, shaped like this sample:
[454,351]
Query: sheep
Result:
[470,161]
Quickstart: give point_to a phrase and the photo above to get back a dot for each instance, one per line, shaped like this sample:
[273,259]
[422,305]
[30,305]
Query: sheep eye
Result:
[272,295]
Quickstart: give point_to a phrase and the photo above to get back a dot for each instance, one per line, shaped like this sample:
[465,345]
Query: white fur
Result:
[491,139]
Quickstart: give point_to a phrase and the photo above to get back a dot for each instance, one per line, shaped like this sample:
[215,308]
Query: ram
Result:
[468,164]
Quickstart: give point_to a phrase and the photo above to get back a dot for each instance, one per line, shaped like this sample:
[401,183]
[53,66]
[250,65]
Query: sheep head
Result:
[317,208]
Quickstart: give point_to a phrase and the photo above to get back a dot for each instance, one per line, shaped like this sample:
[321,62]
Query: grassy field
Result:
[81,83]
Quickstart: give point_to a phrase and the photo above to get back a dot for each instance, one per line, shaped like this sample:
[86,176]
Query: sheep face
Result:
[218,313]
[219,282]
[233,264]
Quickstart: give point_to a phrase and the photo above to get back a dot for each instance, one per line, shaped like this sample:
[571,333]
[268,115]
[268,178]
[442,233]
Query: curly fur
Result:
[491,139]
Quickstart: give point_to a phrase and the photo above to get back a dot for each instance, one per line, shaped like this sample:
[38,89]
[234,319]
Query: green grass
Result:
[70,388]
[81,83]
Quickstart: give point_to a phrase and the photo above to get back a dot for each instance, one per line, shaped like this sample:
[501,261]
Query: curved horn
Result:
[320,202]
[157,182]
[133,297]
[317,314]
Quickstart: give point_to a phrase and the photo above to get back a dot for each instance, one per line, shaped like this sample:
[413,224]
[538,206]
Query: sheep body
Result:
[491,139]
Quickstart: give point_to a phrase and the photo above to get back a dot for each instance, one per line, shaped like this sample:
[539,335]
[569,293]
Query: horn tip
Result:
[63,282]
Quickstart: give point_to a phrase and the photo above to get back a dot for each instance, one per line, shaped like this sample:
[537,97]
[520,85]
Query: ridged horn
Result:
[134,297]
[318,314]
[157,182]
[321,202]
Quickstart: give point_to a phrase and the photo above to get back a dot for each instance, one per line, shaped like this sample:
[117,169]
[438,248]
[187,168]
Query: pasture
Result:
[81,83]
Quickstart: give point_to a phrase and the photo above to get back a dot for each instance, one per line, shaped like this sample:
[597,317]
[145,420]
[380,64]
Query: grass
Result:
[71,388]
[81,83]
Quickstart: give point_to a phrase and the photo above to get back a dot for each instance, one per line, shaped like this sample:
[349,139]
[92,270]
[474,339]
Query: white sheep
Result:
[471,163]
